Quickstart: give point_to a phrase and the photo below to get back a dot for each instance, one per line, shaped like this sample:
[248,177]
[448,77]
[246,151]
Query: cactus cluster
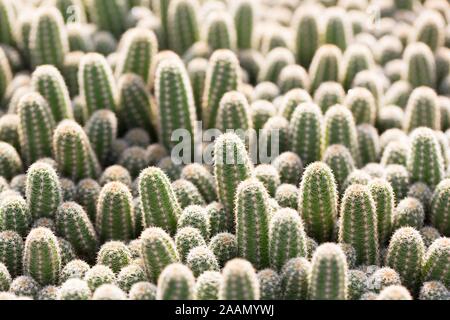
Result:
[237,150]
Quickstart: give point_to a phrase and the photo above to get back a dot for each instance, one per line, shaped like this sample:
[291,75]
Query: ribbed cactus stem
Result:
[435,266]
[15,214]
[183,25]
[420,65]
[307,35]
[219,31]
[234,112]
[108,14]
[440,203]
[240,281]
[384,198]
[11,251]
[325,65]
[176,282]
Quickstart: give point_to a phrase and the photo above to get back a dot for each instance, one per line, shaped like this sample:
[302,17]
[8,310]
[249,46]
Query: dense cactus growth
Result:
[207,150]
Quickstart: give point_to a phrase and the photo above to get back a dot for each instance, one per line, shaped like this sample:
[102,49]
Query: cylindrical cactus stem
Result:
[340,161]
[135,104]
[362,104]
[269,177]
[219,31]
[359,225]
[115,213]
[97,86]
[158,250]
[287,238]
[172,170]
[294,279]
[232,165]
[79,37]
[306,131]
[6,75]
[143,291]
[222,76]
[395,292]
[368,143]
[5,278]
[187,193]
[328,277]
[202,179]
[101,129]
[307,35]
[275,135]
[161,8]
[24,286]
[440,203]
[43,190]
[218,218]
[41,256]
[395,152]
[399,178]
[73,152]
[405,255]
[130,275]
[139,48]
[240,281]
[234,113]
[261,112]
[429,29]
[10,161]
[72,10]
[183,25]
[48,81]
[409,213]
[269,285]
[339,128]
[244,15]
[425,161]
[88,191]
[186,239]
[9,130]
[420,65]
[398,93]
[224,247]
[275,61]
[384,199]
[11,251]
[48,38]
[35,128]
[73,223]
[7,14]
[289,167]
[357,57]
[70,72]
[325,65]
[74,269]
[196,69]
[328,94]
[15,214]
[404,4]
[287,196]
[293,77]
[317,202]
[196,217]
[291,100]
[74,289]
[115,255]
[252,222]
[116,173]
[422,110]
[338,29]
[201,259]
[159,203]
[435,265]
[208,285]
[434,290]
[108,15]
[176,107]
[176,282]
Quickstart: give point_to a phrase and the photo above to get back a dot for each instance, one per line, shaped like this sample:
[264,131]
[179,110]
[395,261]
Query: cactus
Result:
[176,282]
[337,28]
[134,159]
[276,60]
[99,275]
[159,203]
[109,292]
[244,16]
[269,285]
[24,286]
[74,269]
[399,178]
[356,58]
[201,259]
[9,130]
[137,137]
[219,31]
[6,74]
[339,128]
[383,278]
[88,191]
[115,173]
[291,100]
[340,161]
[196,69]
[384,198]
[115,213]
[292,77]
[287,238]
[395,152]
[422,110]
[222,76]
[101,130]
[224,247]
[130,275]
[135,104]
[43,190]
[324,65]
[394,293]
[68,189]
[328,277]
[175,101]
[405,255]
[48,293]
[11,251]
[199,176]
[294,279]
[425,161]
[41,256]
[143,291]
[115,255]
[434,290]
[108,15]
[187,194]
[269,177]
[35,127]
[390,117]
[361,103]
[233,113]
[306,131]
[356,284]
[289,167]
[439,207]
[74,289]
[252,222]
[186,239]
[207,285]
[182,25]
[73,223]
[48,38]
[409,212]
[420,65]
[359,225]
[10,161]
[287,196]
[328,94]
[97,86]
[434,262]
[368,143]
[15,215]
[240,281]
[307,35]
[428,28]
[7,14]
[73,152]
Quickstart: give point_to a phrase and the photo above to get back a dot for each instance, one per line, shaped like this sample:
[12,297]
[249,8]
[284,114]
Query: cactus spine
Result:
[384,198]
[15,214]
[422,110]
[11,251]
[183,25]
[240,281]
[440,203]
[324,65]
[176,282]
[307,37]
[435,265]
[108,15]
